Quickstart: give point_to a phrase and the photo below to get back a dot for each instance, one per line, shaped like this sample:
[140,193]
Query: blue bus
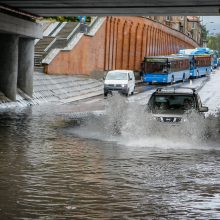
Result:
[165,69]
[201,60]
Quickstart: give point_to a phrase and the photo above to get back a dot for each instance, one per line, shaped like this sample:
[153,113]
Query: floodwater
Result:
[53,167]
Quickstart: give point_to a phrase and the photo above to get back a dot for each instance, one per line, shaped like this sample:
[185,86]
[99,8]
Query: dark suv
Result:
[169,105]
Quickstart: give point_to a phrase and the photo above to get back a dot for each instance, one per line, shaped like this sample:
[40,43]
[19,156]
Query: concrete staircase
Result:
[67,30]
[64,89]
[56,89]
[41,48]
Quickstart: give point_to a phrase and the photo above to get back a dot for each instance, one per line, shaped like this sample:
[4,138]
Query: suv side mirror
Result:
[130,78]
[203,109]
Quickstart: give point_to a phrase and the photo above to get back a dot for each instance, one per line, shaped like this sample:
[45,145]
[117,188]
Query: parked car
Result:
[122,81]
[170,105]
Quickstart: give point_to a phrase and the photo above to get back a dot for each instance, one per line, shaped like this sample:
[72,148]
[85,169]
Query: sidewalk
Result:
[59,89]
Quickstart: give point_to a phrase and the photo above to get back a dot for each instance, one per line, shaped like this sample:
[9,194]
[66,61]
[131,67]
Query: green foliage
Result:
[214,42]
[66,19]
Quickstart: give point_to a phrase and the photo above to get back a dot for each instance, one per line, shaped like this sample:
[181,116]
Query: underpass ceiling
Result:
[116,7]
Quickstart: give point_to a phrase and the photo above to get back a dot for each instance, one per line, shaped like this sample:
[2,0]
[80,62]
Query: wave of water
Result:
[130,124]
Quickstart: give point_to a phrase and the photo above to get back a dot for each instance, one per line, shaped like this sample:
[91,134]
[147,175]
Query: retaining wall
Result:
[120,43]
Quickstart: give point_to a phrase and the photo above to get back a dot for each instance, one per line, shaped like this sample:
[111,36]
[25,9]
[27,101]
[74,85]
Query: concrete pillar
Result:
[26,65]
[8,65]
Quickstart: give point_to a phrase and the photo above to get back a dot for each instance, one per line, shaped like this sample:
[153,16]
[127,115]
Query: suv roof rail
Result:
[159,89]
[193,89]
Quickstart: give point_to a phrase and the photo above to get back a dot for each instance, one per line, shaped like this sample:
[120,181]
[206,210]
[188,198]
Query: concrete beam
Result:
[117,7]
[131,11]
[26,65]
[21,27]
[8,65]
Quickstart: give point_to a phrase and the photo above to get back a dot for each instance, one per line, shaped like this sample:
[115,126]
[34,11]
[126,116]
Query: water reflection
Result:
[49,172]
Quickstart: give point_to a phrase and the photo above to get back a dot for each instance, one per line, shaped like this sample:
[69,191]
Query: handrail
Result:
[63,42]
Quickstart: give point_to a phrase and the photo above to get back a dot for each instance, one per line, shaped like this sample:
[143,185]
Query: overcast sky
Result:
[211,23]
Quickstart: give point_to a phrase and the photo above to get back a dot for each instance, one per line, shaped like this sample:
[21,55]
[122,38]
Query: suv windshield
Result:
[172,104]
[117,76]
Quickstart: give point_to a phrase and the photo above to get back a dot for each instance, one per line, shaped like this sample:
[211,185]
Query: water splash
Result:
[130,124]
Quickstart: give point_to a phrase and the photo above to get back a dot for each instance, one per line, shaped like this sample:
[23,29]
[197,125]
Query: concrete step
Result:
[39,68]
[67,29]
[60,89]
[3,98]
[43,43]
[83,96]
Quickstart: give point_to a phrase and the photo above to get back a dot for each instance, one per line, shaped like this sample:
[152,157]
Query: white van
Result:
[122,81]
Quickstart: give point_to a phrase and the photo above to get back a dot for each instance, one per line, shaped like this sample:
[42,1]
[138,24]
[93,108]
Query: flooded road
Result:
[52,168]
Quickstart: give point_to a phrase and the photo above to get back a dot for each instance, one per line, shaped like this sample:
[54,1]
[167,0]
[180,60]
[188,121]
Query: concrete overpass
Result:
[117,7]
[18,28]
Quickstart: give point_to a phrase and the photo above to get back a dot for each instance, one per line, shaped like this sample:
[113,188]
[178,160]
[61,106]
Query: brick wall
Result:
[120,43]
[129,39]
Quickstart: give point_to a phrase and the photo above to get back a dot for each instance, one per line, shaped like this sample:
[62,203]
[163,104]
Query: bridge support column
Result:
[26,65]
[8,65]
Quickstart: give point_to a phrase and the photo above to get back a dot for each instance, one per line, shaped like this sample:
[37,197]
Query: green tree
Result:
[214,42]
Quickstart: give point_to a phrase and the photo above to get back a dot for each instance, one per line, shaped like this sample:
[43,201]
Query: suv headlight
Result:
[124,85]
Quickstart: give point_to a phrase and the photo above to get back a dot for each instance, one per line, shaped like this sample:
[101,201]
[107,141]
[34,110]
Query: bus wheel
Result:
[172,80]
[184,78]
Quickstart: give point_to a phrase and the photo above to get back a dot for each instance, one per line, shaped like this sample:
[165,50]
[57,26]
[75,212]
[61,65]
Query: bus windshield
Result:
[172,104]
[157,67]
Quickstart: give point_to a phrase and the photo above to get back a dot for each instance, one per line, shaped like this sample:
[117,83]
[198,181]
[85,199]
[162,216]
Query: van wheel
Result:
[132,93]
[127,94]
